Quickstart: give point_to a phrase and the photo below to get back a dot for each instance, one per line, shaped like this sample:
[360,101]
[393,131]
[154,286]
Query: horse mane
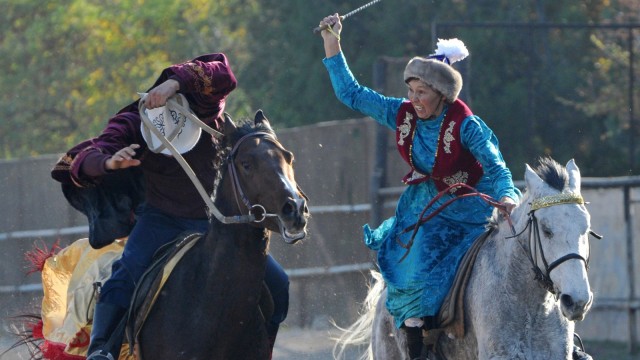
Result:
[551,172]
[223,148]
[554,174]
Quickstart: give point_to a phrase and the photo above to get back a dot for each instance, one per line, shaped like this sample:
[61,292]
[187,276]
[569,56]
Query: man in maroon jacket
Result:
[127,190]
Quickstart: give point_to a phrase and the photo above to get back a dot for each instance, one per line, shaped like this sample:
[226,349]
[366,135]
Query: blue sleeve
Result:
[360,98]
[483,144]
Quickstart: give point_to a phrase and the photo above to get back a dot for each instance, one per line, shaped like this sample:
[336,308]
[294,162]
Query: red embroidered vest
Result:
[453,164]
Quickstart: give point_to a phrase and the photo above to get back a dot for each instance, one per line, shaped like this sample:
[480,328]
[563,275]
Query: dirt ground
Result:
[305,344]
[292,343]
[316,344]
[309,344]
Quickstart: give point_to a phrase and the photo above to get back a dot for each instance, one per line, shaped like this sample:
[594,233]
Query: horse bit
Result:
[535,243]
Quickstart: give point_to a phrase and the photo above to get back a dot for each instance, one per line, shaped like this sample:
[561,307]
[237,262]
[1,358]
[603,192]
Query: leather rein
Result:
[535,250]
[472,192]
[250,217]
[535,242]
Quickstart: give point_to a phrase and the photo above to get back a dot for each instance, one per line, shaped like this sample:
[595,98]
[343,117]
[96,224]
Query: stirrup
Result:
[98,355]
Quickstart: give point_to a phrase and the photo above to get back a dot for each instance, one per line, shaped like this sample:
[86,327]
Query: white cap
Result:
[173,121]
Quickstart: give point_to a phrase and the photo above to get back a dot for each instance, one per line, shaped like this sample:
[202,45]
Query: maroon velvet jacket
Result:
[108,198]
[453,163]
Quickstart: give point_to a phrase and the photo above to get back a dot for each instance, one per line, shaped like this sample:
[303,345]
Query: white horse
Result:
[507,313]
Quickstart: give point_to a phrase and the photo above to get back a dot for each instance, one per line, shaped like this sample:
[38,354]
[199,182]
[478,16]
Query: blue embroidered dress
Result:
[418,284]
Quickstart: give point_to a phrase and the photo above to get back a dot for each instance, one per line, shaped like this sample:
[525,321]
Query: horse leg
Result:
[387,341]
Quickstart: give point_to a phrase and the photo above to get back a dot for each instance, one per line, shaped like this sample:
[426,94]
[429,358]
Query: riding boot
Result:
[415,344]
[106,334]
[272,333]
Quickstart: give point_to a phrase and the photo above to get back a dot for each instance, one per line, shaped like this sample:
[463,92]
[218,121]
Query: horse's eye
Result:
[288,155]
[547,232]
[245,165]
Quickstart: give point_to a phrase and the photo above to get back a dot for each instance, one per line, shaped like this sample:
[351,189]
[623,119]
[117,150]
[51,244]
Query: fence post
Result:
[633,321]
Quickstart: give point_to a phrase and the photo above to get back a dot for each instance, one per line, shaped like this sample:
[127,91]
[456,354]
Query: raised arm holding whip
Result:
[350,13]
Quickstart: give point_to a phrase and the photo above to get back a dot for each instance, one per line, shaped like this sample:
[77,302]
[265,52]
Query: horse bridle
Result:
[255,212]
[235,181]
[535,242]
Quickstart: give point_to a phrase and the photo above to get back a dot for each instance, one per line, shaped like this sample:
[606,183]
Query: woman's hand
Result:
[158,95]
[331,36]
[508,203]
[123,158]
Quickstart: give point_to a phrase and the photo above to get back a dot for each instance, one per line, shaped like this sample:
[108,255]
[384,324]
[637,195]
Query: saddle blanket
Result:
[68,279]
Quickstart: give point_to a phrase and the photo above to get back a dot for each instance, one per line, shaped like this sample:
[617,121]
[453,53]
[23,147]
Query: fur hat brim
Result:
[437,74]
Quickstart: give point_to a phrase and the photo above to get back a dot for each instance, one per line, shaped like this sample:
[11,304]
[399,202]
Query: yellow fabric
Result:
[68,302]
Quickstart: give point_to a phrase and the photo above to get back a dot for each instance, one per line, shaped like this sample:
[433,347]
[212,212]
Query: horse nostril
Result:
[567,300]
[289,208]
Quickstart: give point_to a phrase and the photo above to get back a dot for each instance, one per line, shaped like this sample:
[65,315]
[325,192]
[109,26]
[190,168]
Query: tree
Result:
[70,65]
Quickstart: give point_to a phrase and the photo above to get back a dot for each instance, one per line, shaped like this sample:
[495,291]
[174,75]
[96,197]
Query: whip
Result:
[350,13]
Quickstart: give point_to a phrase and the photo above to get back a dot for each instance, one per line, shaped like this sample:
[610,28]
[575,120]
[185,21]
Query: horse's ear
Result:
[532,180]
[229,126]
[261,119]
[574,176]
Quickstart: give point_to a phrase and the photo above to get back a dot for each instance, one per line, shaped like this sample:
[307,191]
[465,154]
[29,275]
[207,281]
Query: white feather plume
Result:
[453,49]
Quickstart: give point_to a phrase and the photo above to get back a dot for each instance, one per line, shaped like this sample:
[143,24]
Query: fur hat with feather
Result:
[436,70]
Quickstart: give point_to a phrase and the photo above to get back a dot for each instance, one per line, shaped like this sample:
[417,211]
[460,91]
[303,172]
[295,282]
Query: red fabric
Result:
[55,351]
[37,256]
[36,330]
[451,158]
[81,340]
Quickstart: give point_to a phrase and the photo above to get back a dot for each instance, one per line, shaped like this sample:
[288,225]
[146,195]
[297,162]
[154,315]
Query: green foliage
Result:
[70,64]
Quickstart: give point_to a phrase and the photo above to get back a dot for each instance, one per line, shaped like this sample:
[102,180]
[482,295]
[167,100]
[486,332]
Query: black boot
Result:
[272,333]
[107,332]
[415,343]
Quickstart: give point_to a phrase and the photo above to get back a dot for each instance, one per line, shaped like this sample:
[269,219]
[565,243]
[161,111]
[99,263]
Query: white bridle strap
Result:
[194,179]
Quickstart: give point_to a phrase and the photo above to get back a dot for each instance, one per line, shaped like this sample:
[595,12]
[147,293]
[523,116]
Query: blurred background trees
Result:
[564,90]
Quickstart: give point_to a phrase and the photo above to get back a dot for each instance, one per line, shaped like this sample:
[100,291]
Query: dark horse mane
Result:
[223,147]
[554,174]
[551,172]
[244,127]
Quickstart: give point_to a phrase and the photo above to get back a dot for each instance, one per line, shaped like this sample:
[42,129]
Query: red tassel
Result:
[36,330]
[39,255]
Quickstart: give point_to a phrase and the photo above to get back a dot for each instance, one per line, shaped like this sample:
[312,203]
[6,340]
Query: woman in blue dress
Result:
[444,143]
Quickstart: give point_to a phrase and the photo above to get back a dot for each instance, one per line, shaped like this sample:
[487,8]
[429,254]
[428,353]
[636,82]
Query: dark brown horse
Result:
[209,306]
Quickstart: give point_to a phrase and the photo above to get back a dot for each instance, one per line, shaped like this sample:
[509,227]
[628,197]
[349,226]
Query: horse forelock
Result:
[552,173]
[247,126]
[244,127]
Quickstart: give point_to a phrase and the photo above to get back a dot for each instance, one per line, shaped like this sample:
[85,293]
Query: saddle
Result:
[152,281]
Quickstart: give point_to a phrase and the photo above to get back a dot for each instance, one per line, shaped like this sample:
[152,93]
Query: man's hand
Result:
[123,158]
[158,95]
